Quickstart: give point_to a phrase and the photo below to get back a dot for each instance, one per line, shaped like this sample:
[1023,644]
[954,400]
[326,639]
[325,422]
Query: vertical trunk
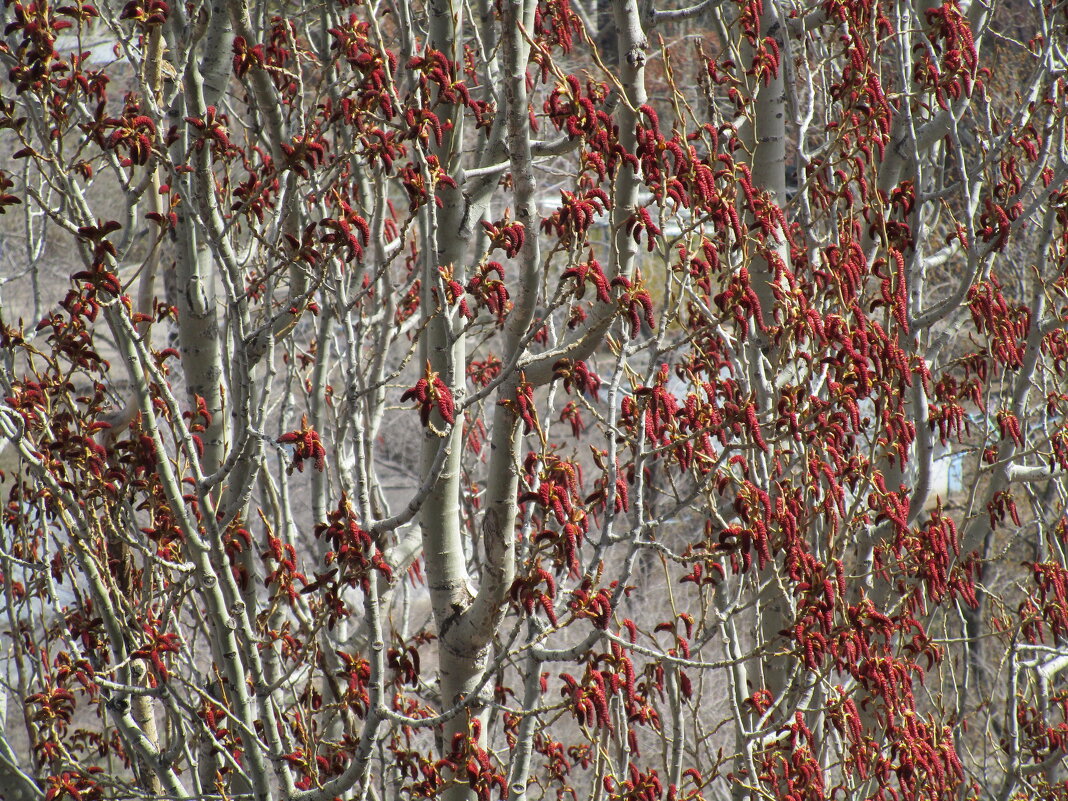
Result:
[198,320]
[201,346]
[767,143]
[766,137]
[441,515]
[520,773]
[632,45]
[443,348]
[143,706]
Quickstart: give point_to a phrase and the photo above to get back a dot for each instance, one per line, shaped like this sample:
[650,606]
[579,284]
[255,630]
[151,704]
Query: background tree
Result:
[534,399]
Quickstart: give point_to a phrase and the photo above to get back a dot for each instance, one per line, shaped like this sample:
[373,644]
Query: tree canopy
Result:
[534,399]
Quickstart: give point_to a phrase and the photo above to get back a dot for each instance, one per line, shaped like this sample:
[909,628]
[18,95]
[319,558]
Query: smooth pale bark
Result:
[201,345]
[765,138]
[633,46]
[198,327]
[444,349]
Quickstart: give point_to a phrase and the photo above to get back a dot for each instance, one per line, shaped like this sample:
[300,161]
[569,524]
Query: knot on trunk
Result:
[636,55]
